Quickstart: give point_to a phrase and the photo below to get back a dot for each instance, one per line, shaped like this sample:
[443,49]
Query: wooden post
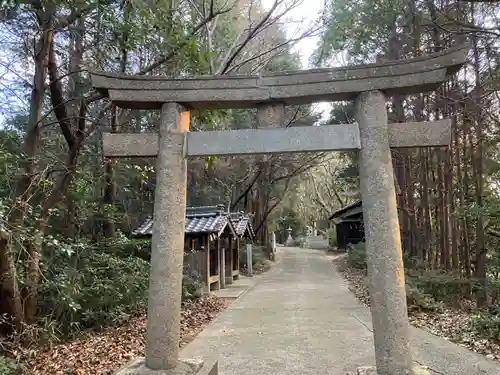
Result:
[217,259]
[237,277]
[222,266]
[185,119]
[230,261]
[206,240]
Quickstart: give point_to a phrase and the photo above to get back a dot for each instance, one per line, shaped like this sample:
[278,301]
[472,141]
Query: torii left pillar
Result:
[167,256]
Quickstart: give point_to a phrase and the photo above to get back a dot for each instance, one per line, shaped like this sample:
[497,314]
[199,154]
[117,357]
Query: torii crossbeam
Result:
[368,86]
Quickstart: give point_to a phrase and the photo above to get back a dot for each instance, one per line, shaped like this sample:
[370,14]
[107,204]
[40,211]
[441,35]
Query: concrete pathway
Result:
[300,318]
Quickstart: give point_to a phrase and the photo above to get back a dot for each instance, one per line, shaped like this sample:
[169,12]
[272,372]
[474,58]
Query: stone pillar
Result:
[270,115]
[167,247]
[383,242]
[249,260]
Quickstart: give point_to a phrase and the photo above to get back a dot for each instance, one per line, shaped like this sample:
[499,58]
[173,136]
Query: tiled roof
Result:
[349,210]
[199,220]
[242,224]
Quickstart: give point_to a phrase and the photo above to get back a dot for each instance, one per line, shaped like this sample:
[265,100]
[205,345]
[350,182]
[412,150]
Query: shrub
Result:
[8,366]
[137,247]
[445,286]
[356,256]
[487,325]
[299,242]
[417,299]
[192,286]
[91,288]
[332,237]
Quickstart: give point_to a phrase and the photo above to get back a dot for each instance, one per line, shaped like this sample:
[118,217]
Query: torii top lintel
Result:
[402,77]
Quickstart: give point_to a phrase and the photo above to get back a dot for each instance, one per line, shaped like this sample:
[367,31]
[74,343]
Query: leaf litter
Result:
[105,352]
[452,324]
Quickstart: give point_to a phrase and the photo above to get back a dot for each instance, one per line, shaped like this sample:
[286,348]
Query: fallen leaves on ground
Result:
[258,268]
[451,324]
[105,352]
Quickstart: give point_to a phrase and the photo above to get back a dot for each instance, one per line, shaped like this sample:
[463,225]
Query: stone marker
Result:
[289,240]
[249,260]
[367,85]
[273,246]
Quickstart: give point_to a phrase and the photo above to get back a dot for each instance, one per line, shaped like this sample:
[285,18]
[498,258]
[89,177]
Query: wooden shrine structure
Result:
[244,230]
[210,236]
[348,222]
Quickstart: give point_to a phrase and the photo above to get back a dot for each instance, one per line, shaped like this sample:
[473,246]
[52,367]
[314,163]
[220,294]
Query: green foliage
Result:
[358,28]
[8,366]
[191,284]
[419,290]
[9,162]
[443,286]
[299,242]
[256,258]
[332,237]
[92,287]
[286,218]
[416,295]
[416,299]
[137,247]
[488,325]
[356,256]
[97,287]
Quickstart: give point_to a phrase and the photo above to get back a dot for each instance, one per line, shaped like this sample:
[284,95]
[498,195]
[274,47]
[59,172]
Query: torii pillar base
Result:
[371,370]
[184,367]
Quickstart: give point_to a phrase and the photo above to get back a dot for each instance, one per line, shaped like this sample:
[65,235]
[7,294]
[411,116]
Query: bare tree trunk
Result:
[10,285]
[481,250]
[109,195]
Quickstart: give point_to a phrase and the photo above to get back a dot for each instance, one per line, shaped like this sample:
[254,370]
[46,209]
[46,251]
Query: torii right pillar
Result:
[383,241]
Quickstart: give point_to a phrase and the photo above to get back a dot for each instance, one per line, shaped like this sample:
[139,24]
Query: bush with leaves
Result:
[86,287]
[192,286]
[8,366]
[356,256]
[416,298]
[487,325]
[443,286]
[332,238]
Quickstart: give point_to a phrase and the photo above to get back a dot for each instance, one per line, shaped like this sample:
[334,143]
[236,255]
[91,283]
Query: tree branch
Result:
[57,99]
[247,190]
[162,60]
[228,60]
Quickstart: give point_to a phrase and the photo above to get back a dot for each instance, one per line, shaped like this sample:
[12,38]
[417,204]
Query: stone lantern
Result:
[289,240]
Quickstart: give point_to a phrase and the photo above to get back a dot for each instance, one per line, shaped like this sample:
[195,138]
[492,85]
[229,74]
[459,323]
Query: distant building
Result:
[348,223]
[209,232]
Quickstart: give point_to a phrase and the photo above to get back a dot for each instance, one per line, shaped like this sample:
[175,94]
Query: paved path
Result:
[300,318]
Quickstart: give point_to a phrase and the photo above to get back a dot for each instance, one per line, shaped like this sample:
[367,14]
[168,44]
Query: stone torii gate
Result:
[368,86]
